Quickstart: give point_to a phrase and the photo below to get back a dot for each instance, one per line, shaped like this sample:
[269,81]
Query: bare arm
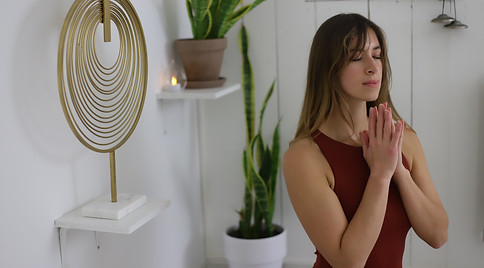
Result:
[307,174]
[422,203]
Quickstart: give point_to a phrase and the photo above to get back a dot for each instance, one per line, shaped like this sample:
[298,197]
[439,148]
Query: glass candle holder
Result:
[173,77]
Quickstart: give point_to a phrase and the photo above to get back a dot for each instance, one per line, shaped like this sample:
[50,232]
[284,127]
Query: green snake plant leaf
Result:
[200,17]
[215,10]
[190,15]
[257,224]
[244,224]
[236,16]
[275,160]
[265,165]
[260,162]
[249,182]
[260,151]
[247,85]
[260,187]
[260,144]
[212,19]
[264,105]
[268,172]
[222,10]
[245,167]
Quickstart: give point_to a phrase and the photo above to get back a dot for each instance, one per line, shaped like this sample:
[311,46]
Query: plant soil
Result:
[235,233]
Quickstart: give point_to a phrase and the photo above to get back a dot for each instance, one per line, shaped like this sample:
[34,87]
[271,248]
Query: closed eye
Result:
[357,56]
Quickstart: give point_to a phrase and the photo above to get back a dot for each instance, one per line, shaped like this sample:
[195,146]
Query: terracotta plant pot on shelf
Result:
[202,60]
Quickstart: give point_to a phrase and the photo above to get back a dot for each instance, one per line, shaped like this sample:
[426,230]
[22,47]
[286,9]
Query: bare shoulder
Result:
[301,153]
[410,139]
[411,147]
[304,161]
[301,148]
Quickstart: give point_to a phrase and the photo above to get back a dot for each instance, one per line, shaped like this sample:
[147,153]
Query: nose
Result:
[372,66]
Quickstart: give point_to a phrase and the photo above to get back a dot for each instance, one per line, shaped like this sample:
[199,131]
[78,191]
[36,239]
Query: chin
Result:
[372,98]
[375,96]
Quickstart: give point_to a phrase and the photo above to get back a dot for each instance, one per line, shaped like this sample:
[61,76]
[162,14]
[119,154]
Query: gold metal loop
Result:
[102,104]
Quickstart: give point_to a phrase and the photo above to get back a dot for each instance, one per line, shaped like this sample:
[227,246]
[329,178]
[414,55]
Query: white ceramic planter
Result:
[255,253]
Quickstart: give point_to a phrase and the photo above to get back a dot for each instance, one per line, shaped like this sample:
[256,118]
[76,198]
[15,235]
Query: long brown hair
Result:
[330,53]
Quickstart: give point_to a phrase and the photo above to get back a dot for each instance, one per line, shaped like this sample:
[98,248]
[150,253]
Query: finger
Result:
[393,128]
[387,125]
[400,140]
[380,121]
[398,134]
[372,122]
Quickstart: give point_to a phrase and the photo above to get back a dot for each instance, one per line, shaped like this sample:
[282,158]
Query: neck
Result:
[338,129]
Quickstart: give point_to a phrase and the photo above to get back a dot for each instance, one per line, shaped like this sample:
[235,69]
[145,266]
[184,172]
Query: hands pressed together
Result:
[382,142]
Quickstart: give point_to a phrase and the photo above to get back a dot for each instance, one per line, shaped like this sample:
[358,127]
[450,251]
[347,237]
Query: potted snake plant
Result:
[202,55]
[256,241]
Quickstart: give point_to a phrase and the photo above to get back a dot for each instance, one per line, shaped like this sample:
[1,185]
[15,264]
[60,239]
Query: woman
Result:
[357,178]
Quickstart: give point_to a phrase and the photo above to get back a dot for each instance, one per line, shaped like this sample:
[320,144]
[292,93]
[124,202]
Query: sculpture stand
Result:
[113,206]
[103,207]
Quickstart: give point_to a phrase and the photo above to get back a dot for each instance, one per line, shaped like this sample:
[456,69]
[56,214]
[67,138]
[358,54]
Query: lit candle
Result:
[173,81]
[174,85]
[173,77]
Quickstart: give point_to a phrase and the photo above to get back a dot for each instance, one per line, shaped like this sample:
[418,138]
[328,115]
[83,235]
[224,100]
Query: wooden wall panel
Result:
[295,29]
[438,87]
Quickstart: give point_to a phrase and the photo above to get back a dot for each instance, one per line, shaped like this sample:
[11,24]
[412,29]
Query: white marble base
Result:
[102,207]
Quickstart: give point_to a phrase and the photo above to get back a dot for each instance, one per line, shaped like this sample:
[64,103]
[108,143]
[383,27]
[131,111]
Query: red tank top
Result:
[351,174]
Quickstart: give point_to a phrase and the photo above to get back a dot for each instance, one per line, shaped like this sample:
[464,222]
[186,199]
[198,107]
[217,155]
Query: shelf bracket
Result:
[62,246]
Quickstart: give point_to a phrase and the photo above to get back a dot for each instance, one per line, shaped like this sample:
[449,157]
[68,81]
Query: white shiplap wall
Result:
[437,84]
[45,171]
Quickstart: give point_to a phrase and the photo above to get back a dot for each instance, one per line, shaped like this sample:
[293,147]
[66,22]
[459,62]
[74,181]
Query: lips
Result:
[372,83]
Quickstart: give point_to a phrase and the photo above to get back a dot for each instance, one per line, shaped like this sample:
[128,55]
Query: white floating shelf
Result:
[126,225]
[203,93]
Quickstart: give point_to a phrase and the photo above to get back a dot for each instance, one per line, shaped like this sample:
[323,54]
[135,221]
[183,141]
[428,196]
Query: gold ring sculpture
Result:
[102,104]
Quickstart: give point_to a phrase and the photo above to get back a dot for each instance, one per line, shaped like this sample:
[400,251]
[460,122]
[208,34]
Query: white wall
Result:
[438,84]
[222,127]
[45,171]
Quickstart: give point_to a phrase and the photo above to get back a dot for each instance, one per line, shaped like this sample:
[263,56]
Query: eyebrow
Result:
[359,50]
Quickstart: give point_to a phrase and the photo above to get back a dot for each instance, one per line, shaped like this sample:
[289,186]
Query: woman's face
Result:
[361,78]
